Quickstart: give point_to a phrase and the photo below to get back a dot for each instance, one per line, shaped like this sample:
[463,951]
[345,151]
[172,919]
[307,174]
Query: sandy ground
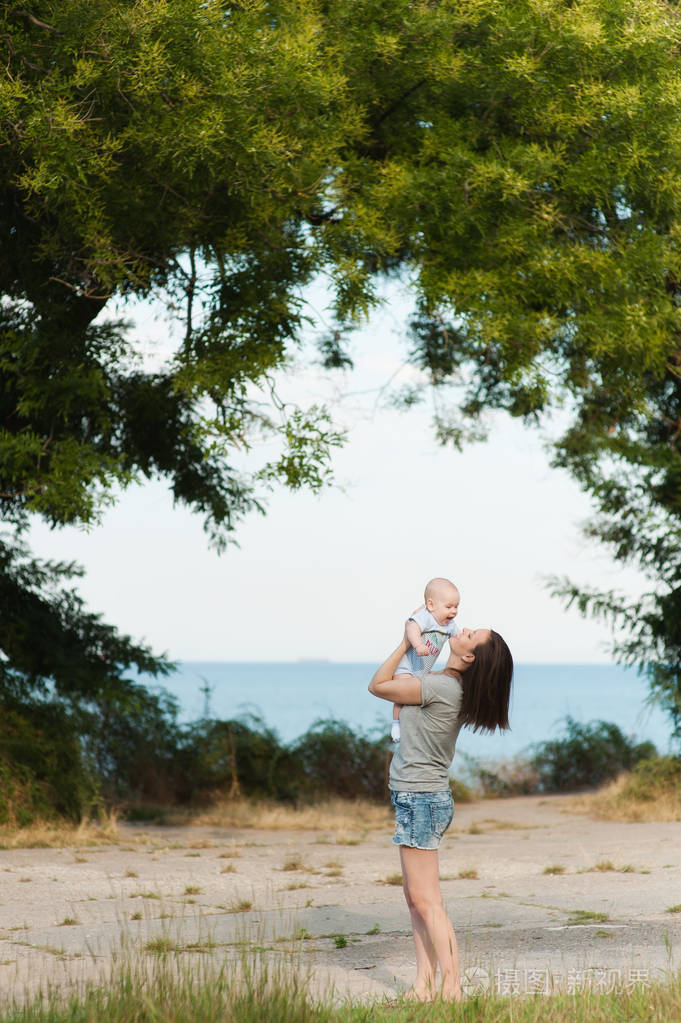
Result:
[67,915]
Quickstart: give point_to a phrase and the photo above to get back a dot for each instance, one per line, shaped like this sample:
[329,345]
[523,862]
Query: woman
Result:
[474,691]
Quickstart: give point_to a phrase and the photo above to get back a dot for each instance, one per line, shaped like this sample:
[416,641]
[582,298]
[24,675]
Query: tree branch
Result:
[38,24]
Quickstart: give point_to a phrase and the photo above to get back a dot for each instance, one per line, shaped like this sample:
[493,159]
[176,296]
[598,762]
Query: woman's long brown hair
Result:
[486,686]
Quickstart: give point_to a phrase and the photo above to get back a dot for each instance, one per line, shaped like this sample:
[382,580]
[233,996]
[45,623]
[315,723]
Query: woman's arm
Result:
[406,689]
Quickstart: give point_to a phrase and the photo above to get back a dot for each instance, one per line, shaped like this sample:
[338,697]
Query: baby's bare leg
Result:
[397,707]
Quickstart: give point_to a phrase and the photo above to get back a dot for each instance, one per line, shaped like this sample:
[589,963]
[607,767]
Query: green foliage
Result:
[461,793]
[51,644]
[43,773]
[132,753]
[653,777]
[245,757]
[518,160]
[520,163]
[587,755]
[73,727]
[583,756]
[242,757]
[336,761]
[261,992]
[632,469]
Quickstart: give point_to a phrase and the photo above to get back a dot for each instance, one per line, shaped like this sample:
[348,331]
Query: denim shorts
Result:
[421,818]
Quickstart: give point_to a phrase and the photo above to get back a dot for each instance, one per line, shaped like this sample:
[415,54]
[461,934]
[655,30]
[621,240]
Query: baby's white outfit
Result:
[434,636]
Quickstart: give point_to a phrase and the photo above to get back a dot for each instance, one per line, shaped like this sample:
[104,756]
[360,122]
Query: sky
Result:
[334,576]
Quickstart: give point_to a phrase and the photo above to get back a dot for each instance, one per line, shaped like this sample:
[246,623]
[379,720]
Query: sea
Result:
[290,697]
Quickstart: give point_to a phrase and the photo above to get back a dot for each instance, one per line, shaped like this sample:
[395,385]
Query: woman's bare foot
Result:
[420,993]
[451,994]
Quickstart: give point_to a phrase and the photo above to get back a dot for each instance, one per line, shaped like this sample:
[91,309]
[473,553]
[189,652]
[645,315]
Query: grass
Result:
[395,879]
[61,834]
[602,867]
[674,909]
[497,824]
[587,916]
[651,792]
[160,946]
[240,906]
[468,875]
[261,989]
[294,862]
[340,815]
[554,868]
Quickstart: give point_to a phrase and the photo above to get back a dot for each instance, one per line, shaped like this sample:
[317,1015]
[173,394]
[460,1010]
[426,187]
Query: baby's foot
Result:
[395,731]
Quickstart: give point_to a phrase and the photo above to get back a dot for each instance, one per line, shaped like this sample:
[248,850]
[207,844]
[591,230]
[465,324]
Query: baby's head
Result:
[442,600]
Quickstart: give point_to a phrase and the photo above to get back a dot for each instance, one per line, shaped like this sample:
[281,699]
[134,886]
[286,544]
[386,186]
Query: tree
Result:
[518,163]
[631,465]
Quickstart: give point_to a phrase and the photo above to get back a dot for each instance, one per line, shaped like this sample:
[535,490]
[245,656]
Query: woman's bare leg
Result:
[426,960]
[434,938]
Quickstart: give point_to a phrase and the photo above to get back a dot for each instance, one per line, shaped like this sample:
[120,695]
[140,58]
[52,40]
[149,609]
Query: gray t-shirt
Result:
[428,736]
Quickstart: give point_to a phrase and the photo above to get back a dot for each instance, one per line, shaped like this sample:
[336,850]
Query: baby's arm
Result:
[413,634]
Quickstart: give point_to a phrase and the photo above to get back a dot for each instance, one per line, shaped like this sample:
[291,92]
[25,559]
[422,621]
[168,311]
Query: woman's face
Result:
[465,641]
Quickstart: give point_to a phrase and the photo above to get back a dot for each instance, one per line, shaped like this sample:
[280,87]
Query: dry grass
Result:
[395,879]
[339,815]
[59,835]
[602,867]
[295,862]
[496,824]
[613,803]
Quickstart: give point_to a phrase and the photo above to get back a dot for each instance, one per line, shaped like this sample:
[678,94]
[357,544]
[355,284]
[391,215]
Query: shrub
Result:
[653,777]
[43,772]
[242,757]
[461,793]
[336,761]
[588,755]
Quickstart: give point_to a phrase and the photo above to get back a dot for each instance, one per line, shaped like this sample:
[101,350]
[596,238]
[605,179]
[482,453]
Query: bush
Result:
[653,777]
[461,792]
[336,761]
[242,757]
[43,772]
[515,777]
[588,755]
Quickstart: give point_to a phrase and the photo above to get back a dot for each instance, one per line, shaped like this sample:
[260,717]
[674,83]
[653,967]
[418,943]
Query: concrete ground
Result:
[329,903]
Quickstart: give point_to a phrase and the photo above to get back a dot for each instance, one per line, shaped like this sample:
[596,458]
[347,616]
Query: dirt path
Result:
[319,899]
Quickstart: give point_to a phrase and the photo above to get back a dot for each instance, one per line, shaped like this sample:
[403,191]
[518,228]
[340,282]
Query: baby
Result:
[427,630]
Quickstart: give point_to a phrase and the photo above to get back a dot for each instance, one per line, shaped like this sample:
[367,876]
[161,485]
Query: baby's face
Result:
[444,606]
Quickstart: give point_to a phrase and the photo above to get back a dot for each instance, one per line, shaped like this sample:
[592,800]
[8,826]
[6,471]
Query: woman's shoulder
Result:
[453,676]
[440,683]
